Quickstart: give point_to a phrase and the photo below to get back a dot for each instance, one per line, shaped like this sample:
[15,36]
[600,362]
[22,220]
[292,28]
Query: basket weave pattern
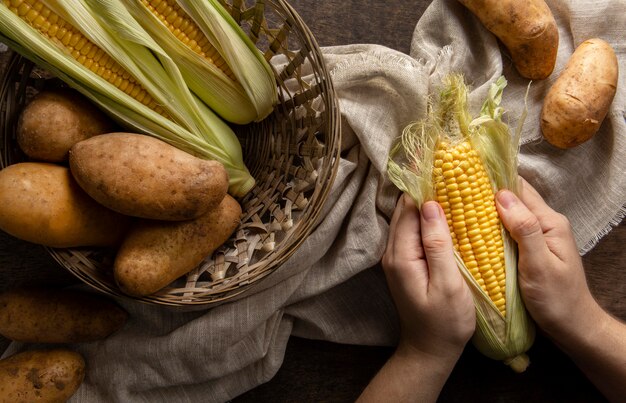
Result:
[293,155]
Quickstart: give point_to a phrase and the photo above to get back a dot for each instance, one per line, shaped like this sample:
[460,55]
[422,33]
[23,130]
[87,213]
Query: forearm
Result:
[599,350]
[410,376]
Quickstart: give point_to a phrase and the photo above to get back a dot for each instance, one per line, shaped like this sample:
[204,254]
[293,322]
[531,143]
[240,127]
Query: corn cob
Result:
[234,80]
[464,191]
[73,42]
[187,31]
[459,162]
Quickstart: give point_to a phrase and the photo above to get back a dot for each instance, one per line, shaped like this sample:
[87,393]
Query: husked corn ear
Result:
[187,31]
[463,189]
[218,61]
[66,36]
[460,160]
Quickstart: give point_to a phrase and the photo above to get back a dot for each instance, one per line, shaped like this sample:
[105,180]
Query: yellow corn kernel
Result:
[59,31]
[462,186]
[187,31]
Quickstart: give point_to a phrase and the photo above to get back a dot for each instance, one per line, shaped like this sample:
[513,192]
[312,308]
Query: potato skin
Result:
[54,120]
[155,253]
[41,376]
[527,29]
[47,315]
[142,176]
[579,99]
[41,203]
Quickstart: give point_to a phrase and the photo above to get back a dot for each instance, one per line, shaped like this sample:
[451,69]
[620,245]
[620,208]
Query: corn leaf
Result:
[189,124]
[212,85]
[246,61]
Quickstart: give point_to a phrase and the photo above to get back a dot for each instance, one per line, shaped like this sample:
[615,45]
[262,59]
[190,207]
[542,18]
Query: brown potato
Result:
[526,28]
[41,203]
[41,376]
[579,99]
[54,120]
[44,315]
[142,176]
[155,253]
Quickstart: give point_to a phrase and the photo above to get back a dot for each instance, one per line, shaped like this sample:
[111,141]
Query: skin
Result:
[48,315]
[553,286]
[437,316]
[579,100]
[42,203]
[57,119]
[428,290]
[155,253]
[526,28]
[40,376]
[141,176]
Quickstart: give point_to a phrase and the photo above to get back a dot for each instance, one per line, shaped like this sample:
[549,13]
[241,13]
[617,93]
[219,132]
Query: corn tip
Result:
[518,363]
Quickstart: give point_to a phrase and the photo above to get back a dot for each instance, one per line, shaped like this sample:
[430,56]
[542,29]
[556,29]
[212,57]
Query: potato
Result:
[526,28]
[54,120]
[41,203]
[155,253]
[579,99]
[41,376]
[142,176]
[44,315]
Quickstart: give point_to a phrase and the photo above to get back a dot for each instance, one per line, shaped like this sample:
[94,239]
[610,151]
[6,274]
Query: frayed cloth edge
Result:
[614,222]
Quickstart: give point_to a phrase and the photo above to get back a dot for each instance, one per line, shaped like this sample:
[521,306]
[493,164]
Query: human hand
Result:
[436,310]
[550,271]
[437,314]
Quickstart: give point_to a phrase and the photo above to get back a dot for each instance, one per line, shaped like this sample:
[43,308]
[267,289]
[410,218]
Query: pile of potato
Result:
[163,209]
[52,317]
[579,100]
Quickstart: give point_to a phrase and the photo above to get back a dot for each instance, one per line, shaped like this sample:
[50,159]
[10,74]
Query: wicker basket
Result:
[293,155]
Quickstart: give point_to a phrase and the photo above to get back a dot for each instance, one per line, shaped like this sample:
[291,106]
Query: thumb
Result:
[524,228]
[437,244]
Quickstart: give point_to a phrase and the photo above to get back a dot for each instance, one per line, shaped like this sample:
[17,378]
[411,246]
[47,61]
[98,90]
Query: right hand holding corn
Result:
[551,276]
[553,285]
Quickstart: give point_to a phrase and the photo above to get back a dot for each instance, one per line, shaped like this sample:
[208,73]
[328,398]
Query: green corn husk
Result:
[410,168]
[251,97]
[190,124]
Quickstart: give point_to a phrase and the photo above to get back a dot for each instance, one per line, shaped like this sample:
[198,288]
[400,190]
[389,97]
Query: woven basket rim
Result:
[204,297]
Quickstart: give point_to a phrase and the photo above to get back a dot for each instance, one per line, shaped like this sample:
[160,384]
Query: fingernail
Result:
[506,198]
[431,211]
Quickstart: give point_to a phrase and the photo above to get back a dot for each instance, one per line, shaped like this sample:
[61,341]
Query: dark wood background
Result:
[318,371]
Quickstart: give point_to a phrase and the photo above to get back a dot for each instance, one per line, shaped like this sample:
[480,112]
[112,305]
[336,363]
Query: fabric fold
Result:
[332,288]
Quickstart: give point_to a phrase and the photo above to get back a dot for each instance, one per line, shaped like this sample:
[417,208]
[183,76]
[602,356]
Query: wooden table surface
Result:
[326,372]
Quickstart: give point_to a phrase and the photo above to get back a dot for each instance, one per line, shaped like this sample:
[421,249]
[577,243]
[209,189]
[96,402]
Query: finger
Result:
[403,262]
[535,203]
[523,226]
[407,244]
[393,223]
[437,244]
[555,226]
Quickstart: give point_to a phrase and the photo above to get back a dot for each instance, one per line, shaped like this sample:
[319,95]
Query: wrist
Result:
[441,359]
[583,330]
[410,375]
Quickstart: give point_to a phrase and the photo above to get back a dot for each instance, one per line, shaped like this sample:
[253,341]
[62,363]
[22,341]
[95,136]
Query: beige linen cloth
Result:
[332,288]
